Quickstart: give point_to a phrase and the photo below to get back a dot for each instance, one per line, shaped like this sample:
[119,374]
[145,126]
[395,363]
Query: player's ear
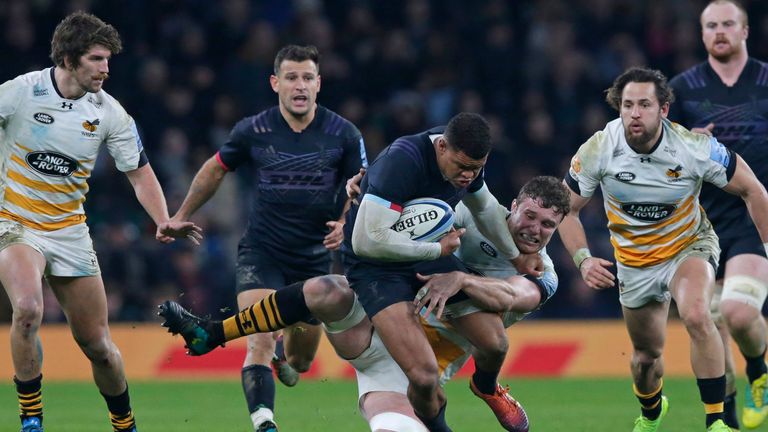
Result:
[273,81]
[665,109]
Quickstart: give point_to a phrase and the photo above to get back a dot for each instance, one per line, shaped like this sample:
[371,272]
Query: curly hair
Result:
[664,91]
[549,191]
[296,53]
[79,32]
[470,134]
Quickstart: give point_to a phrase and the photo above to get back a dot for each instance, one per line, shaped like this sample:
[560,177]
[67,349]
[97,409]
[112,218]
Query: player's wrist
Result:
[580,256]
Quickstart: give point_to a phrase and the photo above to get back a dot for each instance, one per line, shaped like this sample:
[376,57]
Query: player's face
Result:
[532,225]
[723,30]
[457,167]
[641,114]
[297,85]
[93,69]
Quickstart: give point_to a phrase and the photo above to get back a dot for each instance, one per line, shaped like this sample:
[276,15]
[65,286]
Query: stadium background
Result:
[191,69]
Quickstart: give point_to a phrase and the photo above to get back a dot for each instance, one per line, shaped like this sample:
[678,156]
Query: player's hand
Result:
[333,239]
[168,232]
[451,241]
[353,186]
[530,264]
[595,273]
[437,289]
[706,130]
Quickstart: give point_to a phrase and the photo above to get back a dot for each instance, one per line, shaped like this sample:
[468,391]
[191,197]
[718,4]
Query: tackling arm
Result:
[513,294]
[491,220]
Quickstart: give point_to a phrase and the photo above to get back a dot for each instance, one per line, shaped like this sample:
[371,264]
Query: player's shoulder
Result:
[264,122]
[34,81]
[602,142]
[410,150]
[692,78]
[678,135]
[334,124]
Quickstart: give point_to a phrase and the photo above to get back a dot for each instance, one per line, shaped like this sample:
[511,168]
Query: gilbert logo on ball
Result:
[425,219]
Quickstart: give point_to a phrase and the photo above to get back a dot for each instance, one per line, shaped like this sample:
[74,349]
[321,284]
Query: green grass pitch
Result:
[553,405]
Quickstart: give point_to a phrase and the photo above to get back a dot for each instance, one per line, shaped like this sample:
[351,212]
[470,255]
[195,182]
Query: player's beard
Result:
[639,141]
[724,56]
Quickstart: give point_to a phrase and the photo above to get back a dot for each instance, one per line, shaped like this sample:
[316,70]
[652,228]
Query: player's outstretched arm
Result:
[751,190]
[204,185]
[593,270]
[491,220]
[515,294]
[150,195]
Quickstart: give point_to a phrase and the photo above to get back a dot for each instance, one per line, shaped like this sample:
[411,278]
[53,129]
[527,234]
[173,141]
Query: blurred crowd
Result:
[192,68]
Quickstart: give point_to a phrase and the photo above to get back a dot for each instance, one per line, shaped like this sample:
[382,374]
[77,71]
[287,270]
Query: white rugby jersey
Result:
[651,200]
[478,253]
[50,145]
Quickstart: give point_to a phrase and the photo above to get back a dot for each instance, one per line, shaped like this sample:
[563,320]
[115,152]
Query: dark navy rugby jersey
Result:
[405,170]
[740,115]
[299,176]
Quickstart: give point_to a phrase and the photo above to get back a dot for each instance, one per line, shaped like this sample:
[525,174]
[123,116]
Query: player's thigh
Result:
[485,330]
[646,326]
[693,284]
[401,332]
[21,273]
[84,303]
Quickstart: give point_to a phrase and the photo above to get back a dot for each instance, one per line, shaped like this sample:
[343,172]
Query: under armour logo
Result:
[643,160]
[67,105]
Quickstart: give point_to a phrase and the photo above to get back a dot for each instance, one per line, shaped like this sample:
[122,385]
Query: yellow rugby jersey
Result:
[50,145]
[651,200]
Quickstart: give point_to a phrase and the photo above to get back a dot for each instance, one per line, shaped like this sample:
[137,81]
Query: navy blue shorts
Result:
[730,247]
[379,287]
[259,268]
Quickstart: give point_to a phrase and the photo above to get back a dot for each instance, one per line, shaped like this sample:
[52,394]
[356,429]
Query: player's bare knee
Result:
[328,297]
[698,322]
[646,359]
[740,317]
[27,315]
[99,350]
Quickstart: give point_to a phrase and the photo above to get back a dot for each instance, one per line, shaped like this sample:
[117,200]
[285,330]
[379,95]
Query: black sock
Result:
[259,387]
[485,381]
[729,411]
[755,367]
[30,397]
[650,404]
[437,423]
[712,391]
[120,414]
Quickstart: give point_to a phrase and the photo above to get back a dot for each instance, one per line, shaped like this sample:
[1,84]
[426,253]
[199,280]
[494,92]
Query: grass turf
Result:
[553,405]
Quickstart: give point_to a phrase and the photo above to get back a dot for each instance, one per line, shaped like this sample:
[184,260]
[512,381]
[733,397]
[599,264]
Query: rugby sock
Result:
[30,397]
[485,381]
[755,366]
[712,391]
[274,312]
[650,404]
[259,387]
[120,413]
[437,423]
[729,413]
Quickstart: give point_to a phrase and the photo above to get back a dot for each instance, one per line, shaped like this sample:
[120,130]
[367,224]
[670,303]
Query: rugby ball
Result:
[425,219]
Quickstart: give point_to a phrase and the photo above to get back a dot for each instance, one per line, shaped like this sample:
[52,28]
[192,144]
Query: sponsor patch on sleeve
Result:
[718,152]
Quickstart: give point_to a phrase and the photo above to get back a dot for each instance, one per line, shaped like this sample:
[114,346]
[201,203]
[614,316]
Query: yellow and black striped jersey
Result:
[651,200]
[49,148]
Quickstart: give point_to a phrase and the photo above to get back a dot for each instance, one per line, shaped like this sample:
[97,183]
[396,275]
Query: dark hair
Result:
[79,32]
[549,191]
[736,3]
[664,92]
[298,54]
[470,134]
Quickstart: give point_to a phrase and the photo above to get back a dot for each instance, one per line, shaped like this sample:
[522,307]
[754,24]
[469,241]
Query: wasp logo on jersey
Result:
[674,173]
[43,118]
[576,164]
[625,176]
[90,126]
[52,163]
[652,212]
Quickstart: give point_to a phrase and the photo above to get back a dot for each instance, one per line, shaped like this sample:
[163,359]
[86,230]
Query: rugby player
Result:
[302,154]
[727,96]
[650,171]
[54,123]
[496,286]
